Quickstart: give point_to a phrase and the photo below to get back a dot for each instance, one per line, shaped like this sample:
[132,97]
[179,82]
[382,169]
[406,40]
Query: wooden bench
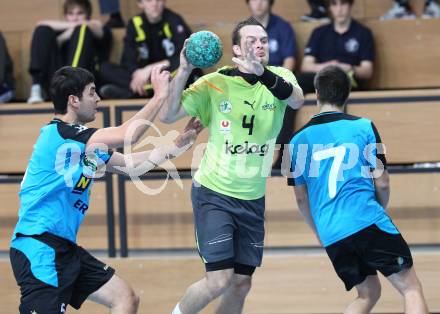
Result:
[413,65]
[285,284]
[404,119]
[93,233]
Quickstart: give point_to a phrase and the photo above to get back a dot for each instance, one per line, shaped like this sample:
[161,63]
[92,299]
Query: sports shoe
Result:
[432,10]
[36,94]
[398,11]
[318,14]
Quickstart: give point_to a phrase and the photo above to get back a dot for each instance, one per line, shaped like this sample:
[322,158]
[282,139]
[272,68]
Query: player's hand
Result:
[249,62]
[139,78]
[189,135]
[184,63]
[160,79]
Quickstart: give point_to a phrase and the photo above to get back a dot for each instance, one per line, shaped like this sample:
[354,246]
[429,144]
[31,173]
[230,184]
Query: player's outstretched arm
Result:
[302,198]
[382,186]
[136,164]
[173,110]
[115,137]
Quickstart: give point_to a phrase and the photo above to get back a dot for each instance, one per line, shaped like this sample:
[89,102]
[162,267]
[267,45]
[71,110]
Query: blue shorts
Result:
[229,231]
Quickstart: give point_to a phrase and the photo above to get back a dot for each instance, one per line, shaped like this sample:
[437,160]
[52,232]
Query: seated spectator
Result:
[113,8]
[282,48]
[402,10]
[77,41]
[6,73]
[156,36]
[318,12]
[282,42]
[345,43]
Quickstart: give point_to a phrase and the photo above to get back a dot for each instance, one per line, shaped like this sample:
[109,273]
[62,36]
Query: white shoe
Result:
[36,95]
[432,10]
[397,12]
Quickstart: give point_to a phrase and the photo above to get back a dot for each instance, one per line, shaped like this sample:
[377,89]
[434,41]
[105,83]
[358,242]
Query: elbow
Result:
[166,119]
[296,99]
[382,184]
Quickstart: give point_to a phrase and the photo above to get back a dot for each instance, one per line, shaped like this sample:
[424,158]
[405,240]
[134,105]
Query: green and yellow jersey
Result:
[243,120]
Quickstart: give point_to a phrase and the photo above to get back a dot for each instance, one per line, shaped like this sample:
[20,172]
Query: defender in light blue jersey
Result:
[342,188]
[50,268]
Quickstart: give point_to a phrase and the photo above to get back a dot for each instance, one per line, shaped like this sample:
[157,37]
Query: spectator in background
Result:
[345,43]
[402,10]
[77,41]
[6,73]
[318,12]
[113,8]
[282,48]
[156,36]
[282,42]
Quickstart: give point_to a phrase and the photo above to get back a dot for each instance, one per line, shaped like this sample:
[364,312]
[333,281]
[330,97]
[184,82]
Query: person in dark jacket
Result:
[77,41]
[156,36]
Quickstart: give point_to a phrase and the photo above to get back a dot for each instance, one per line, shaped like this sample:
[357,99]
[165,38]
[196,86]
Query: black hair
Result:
[271,2]
[332,86]
[85,4]
[350,2]
[236,38]
[68,81]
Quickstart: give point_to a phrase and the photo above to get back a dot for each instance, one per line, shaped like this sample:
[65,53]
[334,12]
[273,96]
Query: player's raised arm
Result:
[139,163]
[114,137]
[281,88]
[172,109]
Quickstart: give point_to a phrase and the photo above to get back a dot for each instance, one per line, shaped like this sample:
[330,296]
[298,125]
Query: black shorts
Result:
[366,252]
[53,273]
[229,231]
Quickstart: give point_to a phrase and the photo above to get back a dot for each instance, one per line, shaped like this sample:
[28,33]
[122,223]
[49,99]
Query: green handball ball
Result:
[204,49]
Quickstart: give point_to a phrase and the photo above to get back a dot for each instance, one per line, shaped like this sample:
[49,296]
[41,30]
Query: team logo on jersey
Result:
[270,107]
[246,149]
[250,104]
[273,45]
[169,47]
[143,52]
[225,126]
[225,107]
[82,184]
[79,127]
[352,45]
[90,164]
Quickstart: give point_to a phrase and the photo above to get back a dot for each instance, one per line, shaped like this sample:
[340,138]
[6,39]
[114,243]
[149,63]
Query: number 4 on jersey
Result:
[249,125]
[338,154]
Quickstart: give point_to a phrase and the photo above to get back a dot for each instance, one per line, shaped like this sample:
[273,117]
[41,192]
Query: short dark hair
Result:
[68,81]
[236,38]
[271,2]
[350,2]
[85,4]
[333,86]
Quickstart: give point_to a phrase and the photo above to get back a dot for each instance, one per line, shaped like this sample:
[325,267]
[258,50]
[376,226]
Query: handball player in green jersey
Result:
[243,108]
